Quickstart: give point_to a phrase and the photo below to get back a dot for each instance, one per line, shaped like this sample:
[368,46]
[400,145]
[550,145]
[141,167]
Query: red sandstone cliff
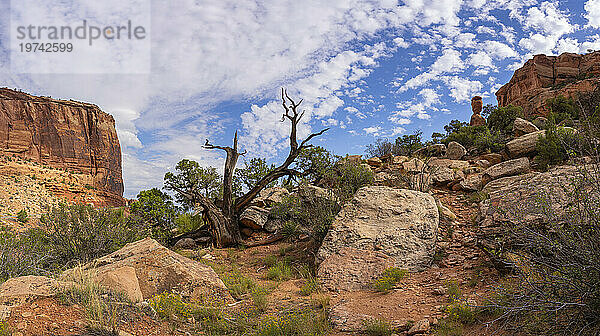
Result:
[545,77]
[74,136]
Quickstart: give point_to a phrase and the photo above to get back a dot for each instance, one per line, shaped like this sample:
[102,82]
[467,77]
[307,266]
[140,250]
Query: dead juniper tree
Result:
[223,215]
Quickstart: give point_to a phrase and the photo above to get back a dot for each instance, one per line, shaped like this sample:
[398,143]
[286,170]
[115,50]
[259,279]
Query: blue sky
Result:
[367,69]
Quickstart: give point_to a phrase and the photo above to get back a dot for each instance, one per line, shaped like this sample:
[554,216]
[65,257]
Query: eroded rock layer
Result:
[77,137]
[544,77]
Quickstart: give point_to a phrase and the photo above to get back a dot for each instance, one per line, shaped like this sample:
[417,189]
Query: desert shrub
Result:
[488,140]
[501,119]
[23,254]
[188,222]
[558,145]
[80,233]
[376,327]
[313,217]
[281,271]
[237,283]
[22,216]
[408,144]
[388,279]
[4,329]
[259,298]
[555,285]
[170,305]
[381,147]
[404,145]
[346,178]
[101,305]
[305,322]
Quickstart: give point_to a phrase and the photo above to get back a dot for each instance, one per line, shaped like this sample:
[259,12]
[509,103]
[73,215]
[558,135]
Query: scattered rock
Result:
[122,280]
[16,291]
[421,327]
[345,320]
[312,194]
[524,144]
[455,151]
[492,158]
[435,150]
[374,162]
[185,244]
[353,159]
[522,127]
[507,168]
[400,223]
[414,165]
[254,217]
[159,269]
[473,182]
[271,196]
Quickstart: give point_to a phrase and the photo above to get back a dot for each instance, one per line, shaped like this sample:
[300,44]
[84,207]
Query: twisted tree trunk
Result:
[224,220]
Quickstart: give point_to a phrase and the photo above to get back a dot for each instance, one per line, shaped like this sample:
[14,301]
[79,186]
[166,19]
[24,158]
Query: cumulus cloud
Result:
[592,8]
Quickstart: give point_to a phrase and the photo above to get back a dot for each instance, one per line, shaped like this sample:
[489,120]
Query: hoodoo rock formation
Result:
[74,136]
[545,77]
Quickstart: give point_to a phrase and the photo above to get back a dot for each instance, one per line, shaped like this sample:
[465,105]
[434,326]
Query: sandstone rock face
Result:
[16,291]
[401,224]
[522,126]
[69,135]
[525,199]
[158,269]
[545,77]
[455,151]
[507,168]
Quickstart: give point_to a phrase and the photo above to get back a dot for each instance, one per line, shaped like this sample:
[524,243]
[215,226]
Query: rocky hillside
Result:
[544,77]
[67,135]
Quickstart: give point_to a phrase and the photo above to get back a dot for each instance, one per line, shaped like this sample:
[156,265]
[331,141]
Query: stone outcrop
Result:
[506,168]
[526,144]
[254,217]
[477,106]
[522,127]
[395,226]
[69,135]
[455,151]
[155,269]
[527,199]
[545,77]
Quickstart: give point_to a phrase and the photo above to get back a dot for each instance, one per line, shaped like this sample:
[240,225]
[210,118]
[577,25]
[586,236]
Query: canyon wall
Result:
[544,77]
[74,136]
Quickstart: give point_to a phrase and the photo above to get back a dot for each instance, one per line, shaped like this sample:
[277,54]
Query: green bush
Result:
[23,254]
[347,177]
[376,327]
[314,163]
[501,119]
[388,279]
[559,144]
[22,216]
[404,145]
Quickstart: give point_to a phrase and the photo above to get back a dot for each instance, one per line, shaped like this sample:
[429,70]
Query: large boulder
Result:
[522,127]
[157,269]
[435,150]
[254,217]
[312,194]
[271,196]
[506,168]
[524,145]
[526,199]
[472,182]
[398,226]
[455,151]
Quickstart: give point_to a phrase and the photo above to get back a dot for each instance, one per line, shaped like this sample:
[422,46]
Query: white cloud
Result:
[592,8]
[448,62]
[401,43]
[462,89]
